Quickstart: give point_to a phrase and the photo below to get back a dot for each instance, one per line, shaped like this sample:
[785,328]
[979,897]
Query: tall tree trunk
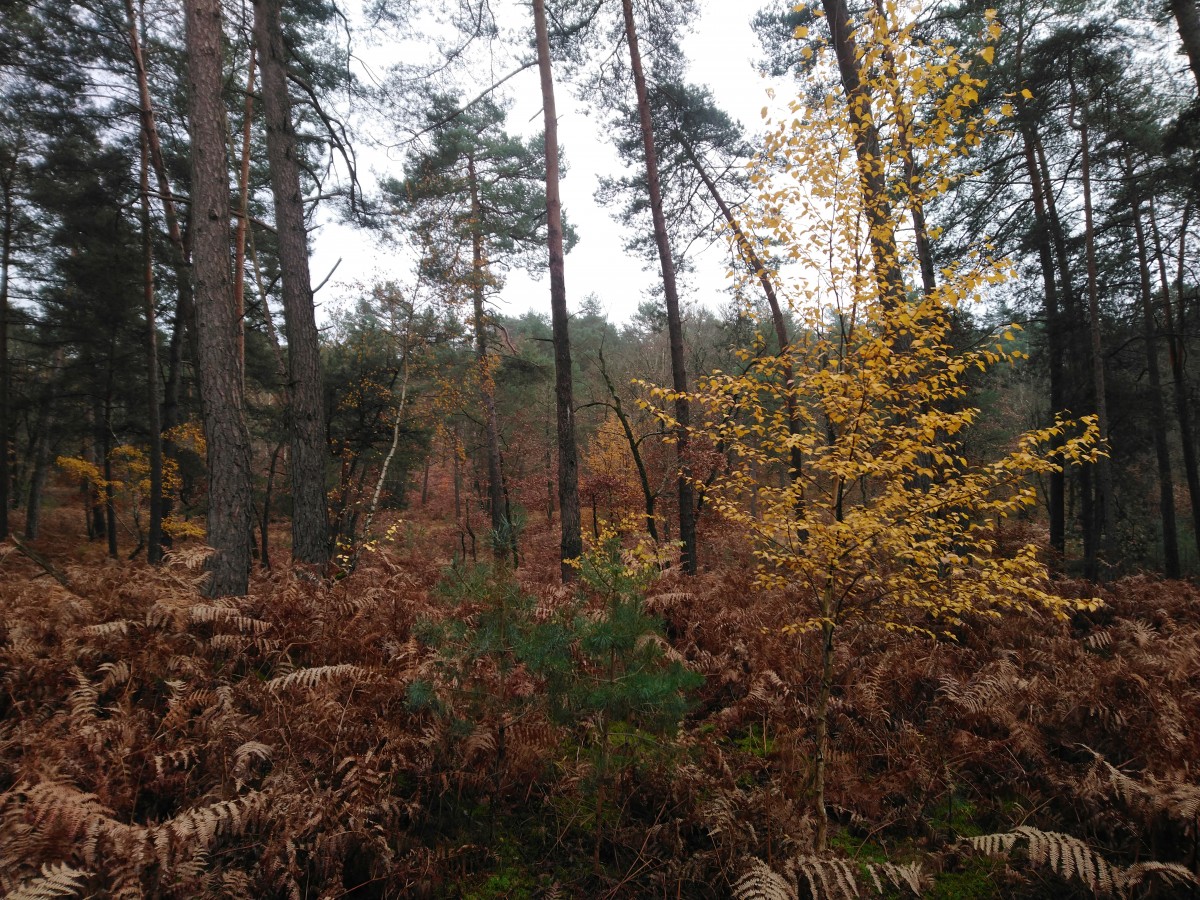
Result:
[571,543]
[310,527]
[41,448]
[1104,486]
[866,148]
[243,222]
[185,313]
[686,491]
[1068,323]
[1158,413]
[228,440]
[1175,354]
[8,196]
[1187,19]
[1054,342]
[487,387]
[154,531]
[104,443]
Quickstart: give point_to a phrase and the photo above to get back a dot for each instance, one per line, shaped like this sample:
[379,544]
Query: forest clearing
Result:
[864,567]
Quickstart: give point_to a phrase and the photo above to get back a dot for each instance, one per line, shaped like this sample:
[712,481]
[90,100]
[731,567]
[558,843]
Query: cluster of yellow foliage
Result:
[130,485]
[887,518]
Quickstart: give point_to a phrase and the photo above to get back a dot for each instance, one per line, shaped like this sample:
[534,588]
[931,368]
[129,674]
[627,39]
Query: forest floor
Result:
[418,730]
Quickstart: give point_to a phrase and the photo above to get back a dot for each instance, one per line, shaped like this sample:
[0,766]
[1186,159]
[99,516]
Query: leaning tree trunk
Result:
[228,440]
[750,256]
[310,528]
[571,544]
[1057,494]
[686,491]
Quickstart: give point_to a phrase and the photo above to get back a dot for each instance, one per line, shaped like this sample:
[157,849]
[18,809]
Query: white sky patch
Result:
[720,52]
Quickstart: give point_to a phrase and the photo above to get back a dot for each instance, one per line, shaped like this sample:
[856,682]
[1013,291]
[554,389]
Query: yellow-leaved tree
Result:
[886,520]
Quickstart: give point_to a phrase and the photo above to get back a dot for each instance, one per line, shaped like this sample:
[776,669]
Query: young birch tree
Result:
[897,526]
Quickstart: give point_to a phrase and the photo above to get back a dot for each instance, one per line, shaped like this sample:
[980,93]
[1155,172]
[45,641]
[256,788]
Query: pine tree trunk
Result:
[487,387]
[310,527]
[8,196]
[1068,322]
[228,440]
[571,544]
[41,450]
[1175,354]
[866,149]
[154,530]
[185,314]
[685,489]
[1187,19]
[1104,486]
[243,221]
[1057,494]
[1158,413]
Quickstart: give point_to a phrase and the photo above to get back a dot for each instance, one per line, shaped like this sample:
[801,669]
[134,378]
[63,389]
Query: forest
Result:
[865,566]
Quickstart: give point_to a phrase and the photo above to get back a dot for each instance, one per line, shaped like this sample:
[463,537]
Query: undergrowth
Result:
[414,731]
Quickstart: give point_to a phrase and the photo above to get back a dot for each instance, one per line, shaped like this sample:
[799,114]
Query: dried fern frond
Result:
[1170,874]
[1063,854]
[761,882]
[310,678]
[824,877]
[115,628]
[55,880]
[213,614]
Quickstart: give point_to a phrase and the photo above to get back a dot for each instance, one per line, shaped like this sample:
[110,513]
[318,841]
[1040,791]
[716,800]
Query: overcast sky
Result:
[720,53]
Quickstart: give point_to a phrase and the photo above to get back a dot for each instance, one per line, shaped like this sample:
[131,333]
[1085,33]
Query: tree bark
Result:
[686,491]
[1158,414]
[1057,488]
[866,148]
[8,195]
[1104,485]
[185,314]
[487,387]
[243,222]
[571,542]
[1175,354]
[41,449]
[310,527]
[154,530]
[228,440]
[1187,19]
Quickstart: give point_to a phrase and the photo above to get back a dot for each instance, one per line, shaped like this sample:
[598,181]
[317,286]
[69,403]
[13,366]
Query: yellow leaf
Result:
[988,53]
[1027,93]
[800,33]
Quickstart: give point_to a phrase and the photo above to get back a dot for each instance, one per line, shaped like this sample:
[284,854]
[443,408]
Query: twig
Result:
[48,567]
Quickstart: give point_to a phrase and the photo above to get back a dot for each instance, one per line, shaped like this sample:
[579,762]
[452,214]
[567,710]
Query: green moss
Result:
[756,742]
[975,881]
[856,849]
[509,883]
